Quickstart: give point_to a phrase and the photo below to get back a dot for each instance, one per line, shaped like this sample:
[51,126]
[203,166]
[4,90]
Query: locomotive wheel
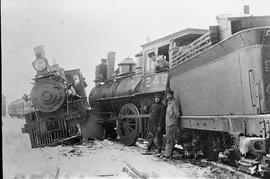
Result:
[127,127]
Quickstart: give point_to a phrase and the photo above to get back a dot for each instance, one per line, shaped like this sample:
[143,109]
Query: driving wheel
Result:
[127,124]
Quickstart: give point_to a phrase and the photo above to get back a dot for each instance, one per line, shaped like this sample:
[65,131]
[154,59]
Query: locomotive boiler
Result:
[122,100]
[221,80]
[58,104]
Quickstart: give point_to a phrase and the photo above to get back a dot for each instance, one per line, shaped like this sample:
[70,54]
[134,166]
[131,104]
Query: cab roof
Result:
[178,35]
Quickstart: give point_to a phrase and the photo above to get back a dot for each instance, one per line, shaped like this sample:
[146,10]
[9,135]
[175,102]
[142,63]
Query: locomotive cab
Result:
[164,48]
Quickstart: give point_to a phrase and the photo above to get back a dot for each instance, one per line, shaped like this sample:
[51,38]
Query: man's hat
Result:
[158,95]
[170,92]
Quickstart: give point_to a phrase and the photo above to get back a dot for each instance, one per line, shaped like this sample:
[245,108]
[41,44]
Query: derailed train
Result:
[57,104]
[221,79]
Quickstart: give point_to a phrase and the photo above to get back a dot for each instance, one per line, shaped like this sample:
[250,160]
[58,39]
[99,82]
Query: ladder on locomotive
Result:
[193,49]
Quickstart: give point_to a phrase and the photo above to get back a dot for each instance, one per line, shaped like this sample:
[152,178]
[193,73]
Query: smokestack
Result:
[110,64]
[39,51]
[246,9]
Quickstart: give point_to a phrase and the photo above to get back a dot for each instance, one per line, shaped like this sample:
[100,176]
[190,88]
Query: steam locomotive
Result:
[57,106]
[221,79]
[122,100]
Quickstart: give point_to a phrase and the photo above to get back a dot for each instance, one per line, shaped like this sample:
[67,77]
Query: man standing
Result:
[172,122]
[157,62]
[157,115]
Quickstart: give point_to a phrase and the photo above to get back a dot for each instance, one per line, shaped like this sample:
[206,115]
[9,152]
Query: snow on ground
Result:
[84,161]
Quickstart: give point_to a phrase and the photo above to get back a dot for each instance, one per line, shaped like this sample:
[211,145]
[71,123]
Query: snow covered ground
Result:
[92,160]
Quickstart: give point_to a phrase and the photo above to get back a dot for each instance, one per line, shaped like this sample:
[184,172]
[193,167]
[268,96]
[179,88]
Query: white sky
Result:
[78,33]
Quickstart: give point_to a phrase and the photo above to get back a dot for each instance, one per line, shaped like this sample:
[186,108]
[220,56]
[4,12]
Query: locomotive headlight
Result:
[40,64]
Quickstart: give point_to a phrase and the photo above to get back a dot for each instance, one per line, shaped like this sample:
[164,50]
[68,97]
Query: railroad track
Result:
[217,168]
[127,168]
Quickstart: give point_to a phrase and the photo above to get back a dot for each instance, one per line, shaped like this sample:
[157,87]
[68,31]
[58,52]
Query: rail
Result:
[196,47]
[136,116]
[127,168]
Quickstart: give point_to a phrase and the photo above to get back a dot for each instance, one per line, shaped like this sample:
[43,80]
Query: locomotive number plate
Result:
[155,82]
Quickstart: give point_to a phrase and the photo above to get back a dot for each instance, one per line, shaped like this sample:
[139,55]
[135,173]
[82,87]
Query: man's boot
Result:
[147,151]
[158,154]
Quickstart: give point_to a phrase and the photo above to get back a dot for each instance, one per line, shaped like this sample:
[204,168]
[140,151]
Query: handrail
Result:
[196,47]
[199,40]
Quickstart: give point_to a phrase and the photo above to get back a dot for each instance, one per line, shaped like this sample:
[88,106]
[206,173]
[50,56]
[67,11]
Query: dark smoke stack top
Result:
[39,51]
[246,9]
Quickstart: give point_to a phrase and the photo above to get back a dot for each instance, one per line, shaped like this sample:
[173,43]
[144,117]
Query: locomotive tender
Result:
[19,107]
[16,108]
[57,105]
[221,79]
[223,90]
